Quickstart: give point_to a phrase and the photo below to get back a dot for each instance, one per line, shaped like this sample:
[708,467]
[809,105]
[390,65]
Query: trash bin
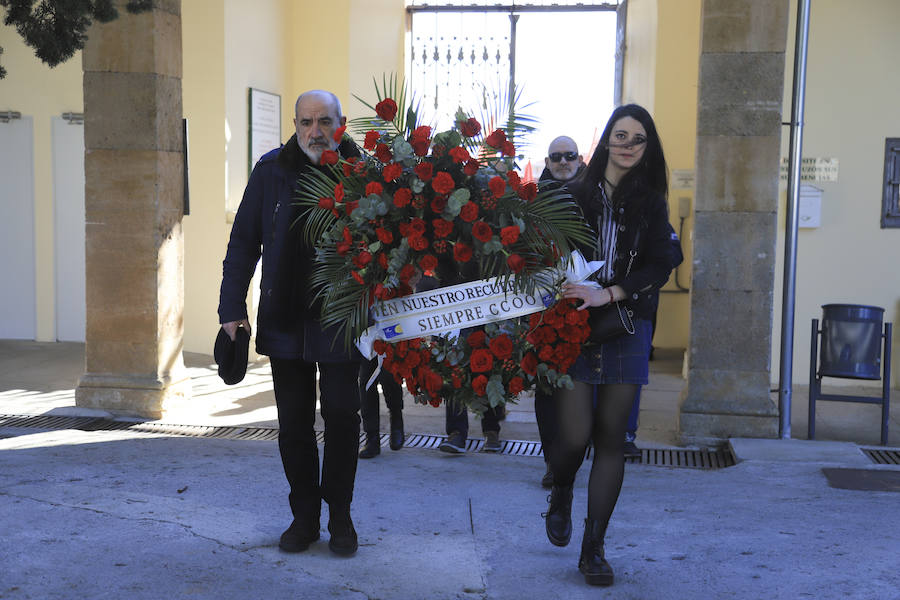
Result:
[851,341]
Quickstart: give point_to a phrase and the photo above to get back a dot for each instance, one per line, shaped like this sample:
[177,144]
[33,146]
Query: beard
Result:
[315,147]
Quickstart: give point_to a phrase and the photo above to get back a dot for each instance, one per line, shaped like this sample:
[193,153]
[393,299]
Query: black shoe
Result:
[631,450]
[547,479]
[558,518]
[397,435]
[454,444]
[592,562]
[298,536]
[343,540]
[492,442]
[372,447]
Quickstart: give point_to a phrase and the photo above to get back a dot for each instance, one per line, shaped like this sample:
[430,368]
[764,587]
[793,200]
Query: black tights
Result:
[578,422]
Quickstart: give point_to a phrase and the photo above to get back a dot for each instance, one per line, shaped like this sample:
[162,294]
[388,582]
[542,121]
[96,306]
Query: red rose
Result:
[339,133]
[349,207]
[509,235]
[530,363]
[479,385]
[439,204]
[462,252]
[516,385]
[471,167]
[497,186]
[362,259]
[402,197]
[501,346]
[470,127]
[373,187]
[422,132]
[508,149]
[545,353]
[496,139]
[329,157]
[417,227]
[406,272]
[372,138]
[384,236]
[514,181]
[420,141]
[428,262]
[515,262]
[386,109]
[392,171]
[424,171]
[469,212]
[383,153]
[443,183]
[339,192]
[481,360]
[433,382]
[443,228]
[382,260]
[326,203]
[379,346]
[417,242]
[357,277]
[476,339]
[528,192]
[482,231]
[459,154]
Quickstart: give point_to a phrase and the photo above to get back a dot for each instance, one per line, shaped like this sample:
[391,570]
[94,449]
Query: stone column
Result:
[133,205]
[739,118]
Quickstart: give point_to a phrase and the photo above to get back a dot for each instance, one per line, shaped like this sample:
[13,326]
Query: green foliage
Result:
[58,29]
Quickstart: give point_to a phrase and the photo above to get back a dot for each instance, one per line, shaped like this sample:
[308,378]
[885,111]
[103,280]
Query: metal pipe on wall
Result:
[792,221]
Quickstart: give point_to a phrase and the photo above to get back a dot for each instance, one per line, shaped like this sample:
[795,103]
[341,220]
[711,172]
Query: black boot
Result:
[343,540]
[299,535]
[558,518]
[372,447]
[592,562]
[397,435]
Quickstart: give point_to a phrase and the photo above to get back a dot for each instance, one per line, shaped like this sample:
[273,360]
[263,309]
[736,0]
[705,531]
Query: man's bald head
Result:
[563,159]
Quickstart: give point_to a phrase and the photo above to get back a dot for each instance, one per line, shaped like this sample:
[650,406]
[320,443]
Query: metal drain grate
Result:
[663,457]
[883,456]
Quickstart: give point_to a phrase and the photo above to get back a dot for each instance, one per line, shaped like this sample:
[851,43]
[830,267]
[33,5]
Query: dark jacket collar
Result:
[292,159]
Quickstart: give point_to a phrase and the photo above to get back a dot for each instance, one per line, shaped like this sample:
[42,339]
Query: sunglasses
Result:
[558,156]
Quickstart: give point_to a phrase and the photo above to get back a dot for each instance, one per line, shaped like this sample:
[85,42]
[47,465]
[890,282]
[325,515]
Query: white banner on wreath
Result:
[449,309]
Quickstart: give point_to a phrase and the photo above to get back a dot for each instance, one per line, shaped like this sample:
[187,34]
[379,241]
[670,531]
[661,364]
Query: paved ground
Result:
[113,514]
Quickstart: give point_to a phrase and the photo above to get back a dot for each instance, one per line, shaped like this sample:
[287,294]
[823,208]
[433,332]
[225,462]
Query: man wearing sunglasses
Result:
[563,162]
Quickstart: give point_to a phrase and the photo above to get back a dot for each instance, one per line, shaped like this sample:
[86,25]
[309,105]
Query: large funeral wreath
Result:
[445,208]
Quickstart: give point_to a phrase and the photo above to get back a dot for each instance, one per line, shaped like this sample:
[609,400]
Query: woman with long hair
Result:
[622,195]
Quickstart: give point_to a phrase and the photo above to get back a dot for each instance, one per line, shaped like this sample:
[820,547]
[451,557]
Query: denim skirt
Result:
[624,359]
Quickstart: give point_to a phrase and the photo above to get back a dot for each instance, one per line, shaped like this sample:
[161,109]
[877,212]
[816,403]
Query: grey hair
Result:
[332,98]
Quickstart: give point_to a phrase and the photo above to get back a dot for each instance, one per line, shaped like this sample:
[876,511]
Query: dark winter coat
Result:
[658,247]
[286,325]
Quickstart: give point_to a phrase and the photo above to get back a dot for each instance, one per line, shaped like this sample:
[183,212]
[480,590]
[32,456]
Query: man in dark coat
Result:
[289,331]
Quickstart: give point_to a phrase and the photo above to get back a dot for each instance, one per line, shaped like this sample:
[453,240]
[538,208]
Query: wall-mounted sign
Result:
[265,125]
[809,212]
[813,169]
[682,179]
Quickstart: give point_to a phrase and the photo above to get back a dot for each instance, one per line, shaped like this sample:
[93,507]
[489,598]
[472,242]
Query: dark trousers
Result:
[457,419]
[393,396]
[295,396]
[545,415]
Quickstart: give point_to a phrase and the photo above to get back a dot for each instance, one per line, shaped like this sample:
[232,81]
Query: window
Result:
[890,207]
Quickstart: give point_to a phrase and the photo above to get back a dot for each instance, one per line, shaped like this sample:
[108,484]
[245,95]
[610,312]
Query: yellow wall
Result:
[37,91]
[852,95]
[660,73]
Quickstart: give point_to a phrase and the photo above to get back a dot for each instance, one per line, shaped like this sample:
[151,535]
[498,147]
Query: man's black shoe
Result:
[298,537]
[372,447]
[454,444]
[343,540]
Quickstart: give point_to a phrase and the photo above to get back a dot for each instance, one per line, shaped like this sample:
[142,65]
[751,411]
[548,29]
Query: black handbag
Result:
[610,321]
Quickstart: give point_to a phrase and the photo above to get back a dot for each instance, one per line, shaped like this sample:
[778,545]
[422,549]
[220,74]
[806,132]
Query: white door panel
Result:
[18,317]
[68,216]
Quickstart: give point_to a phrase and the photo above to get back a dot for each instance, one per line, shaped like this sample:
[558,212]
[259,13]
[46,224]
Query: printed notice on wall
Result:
[682,179]
[265,124]
[812,169]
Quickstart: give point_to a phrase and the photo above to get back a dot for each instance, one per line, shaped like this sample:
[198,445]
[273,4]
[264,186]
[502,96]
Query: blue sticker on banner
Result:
[392,331]
[548,299]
